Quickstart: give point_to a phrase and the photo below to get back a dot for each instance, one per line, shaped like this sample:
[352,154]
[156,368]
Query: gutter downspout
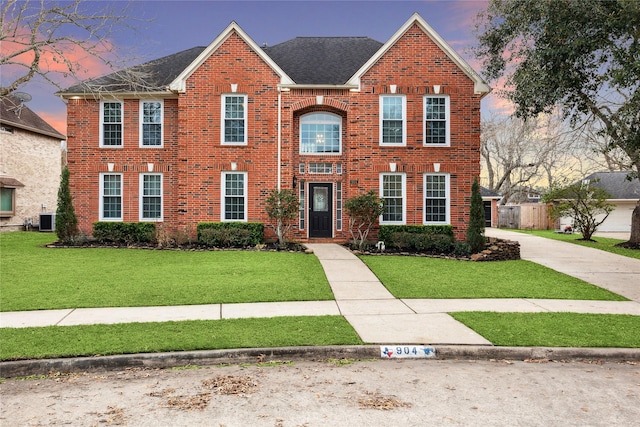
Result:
[279,137]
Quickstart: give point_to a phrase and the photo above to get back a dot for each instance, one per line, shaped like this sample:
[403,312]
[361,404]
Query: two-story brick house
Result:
[215,129]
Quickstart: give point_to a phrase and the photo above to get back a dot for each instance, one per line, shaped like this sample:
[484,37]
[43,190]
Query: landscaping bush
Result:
[230,234]
[418,238]
[124,232]
[386,230]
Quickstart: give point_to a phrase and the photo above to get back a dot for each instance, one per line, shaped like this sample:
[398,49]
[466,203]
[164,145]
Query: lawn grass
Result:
[127,338]
[420,277]
[555,329]
[34,277]
[603,243]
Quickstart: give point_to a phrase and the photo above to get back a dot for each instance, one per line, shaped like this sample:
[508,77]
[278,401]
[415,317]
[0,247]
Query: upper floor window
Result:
[151,197]
[392,192]
[393,120]
[436,199]
[234,196]
[151,116]
[234,119]
[436,120]
[111,197]
[111,124]
[320,133]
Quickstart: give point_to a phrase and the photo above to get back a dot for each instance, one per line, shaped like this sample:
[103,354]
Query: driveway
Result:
[616,273]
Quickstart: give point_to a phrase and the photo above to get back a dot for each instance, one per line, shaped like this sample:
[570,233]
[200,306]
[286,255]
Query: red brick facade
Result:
[192,158]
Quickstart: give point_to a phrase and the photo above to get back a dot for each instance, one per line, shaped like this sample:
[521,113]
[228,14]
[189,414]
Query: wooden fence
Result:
[525,216]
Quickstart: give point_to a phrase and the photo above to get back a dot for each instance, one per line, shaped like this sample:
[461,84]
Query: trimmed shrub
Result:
[386,230]
[230,234]
[124,232]
[419,238]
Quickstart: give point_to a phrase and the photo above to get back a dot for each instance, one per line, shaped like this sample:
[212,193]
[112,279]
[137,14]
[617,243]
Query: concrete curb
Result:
[23,368]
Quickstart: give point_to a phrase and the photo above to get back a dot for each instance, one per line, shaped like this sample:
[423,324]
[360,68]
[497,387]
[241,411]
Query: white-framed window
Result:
[320,168]
[111,113]
[320,133]
[234,196]
[393,123]
[151,123]
[234,119]
[436,120]
[7,201]
[110,197]
[392,192]
[302,206]
[151,206]
[436,199]
[339,206]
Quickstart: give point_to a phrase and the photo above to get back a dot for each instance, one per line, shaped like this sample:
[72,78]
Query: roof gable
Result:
[179,83]
[14,113]
[480,86]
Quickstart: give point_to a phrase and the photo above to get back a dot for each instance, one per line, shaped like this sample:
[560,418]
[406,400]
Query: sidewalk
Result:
[375,314]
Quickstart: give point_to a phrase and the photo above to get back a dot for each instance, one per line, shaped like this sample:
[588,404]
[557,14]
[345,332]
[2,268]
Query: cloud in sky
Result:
[166,27]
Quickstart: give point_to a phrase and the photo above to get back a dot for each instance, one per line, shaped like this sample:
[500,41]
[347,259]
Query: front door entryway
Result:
[320,210]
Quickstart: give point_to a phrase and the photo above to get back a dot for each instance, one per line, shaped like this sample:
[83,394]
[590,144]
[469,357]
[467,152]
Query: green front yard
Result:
[33,277]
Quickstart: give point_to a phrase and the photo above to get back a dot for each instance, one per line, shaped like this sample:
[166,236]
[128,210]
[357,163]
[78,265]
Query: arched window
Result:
[320,133]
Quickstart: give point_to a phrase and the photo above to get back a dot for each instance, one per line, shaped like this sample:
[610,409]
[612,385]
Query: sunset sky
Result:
[163,27]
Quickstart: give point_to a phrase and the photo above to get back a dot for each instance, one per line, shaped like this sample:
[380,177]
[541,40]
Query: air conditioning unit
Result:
[47,222]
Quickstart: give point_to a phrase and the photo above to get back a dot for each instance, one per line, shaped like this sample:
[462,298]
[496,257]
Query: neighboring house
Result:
[490,202]
[214,129]
[30,165]
[624,195]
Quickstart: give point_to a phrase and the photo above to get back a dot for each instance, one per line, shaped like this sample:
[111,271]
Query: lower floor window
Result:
[436,198]
[392,192]
[7,201]
[234,195]
[151,197]
[111,196]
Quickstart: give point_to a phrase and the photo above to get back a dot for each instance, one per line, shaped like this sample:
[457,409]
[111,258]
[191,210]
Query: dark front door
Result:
[487,214]
[320,210]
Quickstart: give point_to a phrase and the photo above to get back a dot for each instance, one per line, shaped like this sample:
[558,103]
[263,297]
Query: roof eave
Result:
[55,135]
[117,95]
[317,86]
[179,84]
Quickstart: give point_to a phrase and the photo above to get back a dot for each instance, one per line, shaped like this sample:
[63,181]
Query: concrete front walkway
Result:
[375,314]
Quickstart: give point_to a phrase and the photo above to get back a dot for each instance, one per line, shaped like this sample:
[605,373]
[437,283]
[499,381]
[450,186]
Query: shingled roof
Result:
[307,60]
[616,184]
[14,113]
[151,76]
[323,60]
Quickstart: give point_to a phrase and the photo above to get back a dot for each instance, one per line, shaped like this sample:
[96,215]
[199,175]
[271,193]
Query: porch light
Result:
[295,181]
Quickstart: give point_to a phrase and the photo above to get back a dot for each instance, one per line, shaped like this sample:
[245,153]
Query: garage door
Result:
[619,219]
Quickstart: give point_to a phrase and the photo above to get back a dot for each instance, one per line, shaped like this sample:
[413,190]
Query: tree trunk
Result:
[635,225]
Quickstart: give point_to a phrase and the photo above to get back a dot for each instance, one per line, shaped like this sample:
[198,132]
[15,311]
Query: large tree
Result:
[581,55]
[57,40]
